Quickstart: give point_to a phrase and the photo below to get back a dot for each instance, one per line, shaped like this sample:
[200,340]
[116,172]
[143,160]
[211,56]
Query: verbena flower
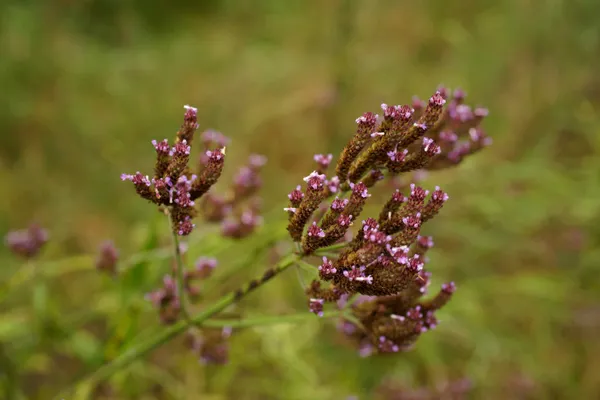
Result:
[106,260]
[174,184]
[238,211]
[385,259]
[27,243]
[211,346]
[167,299]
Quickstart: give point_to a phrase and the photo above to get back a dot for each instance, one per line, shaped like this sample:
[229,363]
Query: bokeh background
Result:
[87,84]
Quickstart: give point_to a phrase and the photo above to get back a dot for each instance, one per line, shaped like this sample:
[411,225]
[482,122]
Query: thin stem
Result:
[311,269]
[267,320]
[336,246]
[39,297]
[350,301]
[137,352]
[326,254]
[180,283]
[85,262]
[350,317]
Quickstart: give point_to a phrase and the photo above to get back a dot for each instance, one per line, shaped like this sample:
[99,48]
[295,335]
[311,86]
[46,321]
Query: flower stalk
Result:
[170,332]
[181,292]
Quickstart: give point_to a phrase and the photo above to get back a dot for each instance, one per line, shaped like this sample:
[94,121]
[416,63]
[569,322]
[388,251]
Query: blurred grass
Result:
[87,85]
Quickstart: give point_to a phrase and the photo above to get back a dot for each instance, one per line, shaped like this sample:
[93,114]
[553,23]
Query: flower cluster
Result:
[167,299]
[173,184]
[211,345]
[390,324]
[435,135]
[106,260]
[27,243]
[238,212]
[384,261]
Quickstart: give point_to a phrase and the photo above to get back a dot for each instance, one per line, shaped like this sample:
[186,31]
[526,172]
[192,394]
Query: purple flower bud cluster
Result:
[426,135]
[392,324]
[386,258]
[211,345]
[385,263]
[173,185]
[167,300]
[27,243]
[238,213]
[106,260]
[458,133]
[405,139]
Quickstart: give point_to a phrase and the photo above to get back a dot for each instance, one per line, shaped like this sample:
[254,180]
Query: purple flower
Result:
[413,221]
[107,257]
[162,147]
[387,346]
[27,243]
[316,306]
[449,287]
[296,196]
[185,227]
[437,99]
[430,148]
[339,204]
[397,156]
[205,267]
[323,160]
[326,268]
[214,138]
[315,231]
[360,189]
[315,181]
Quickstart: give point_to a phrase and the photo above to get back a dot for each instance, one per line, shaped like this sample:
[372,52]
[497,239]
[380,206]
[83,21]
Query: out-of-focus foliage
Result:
[86,86]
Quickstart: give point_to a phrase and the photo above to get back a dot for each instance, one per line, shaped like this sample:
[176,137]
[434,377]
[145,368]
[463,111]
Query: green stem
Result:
[347,314]
[180,283]
[268,320]
[336,246]
[327,254]
[137,352]
[85,262]
[311,269]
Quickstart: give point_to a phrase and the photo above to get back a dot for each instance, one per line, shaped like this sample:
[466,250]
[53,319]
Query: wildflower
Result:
[27,243]
[167,299]
[173,185]
[323,161]
[385,261]
[205,267]
[238,212]
[212,138]
[211,345]
[107,258]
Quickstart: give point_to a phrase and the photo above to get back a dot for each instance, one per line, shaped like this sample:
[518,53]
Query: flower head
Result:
[27,243]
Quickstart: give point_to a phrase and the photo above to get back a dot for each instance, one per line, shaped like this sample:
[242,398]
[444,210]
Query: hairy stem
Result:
[139,351]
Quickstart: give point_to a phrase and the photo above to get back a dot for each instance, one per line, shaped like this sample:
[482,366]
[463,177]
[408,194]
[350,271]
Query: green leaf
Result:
[85,346]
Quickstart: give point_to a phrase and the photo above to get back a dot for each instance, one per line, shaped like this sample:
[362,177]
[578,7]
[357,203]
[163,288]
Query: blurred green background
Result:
[87,84]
